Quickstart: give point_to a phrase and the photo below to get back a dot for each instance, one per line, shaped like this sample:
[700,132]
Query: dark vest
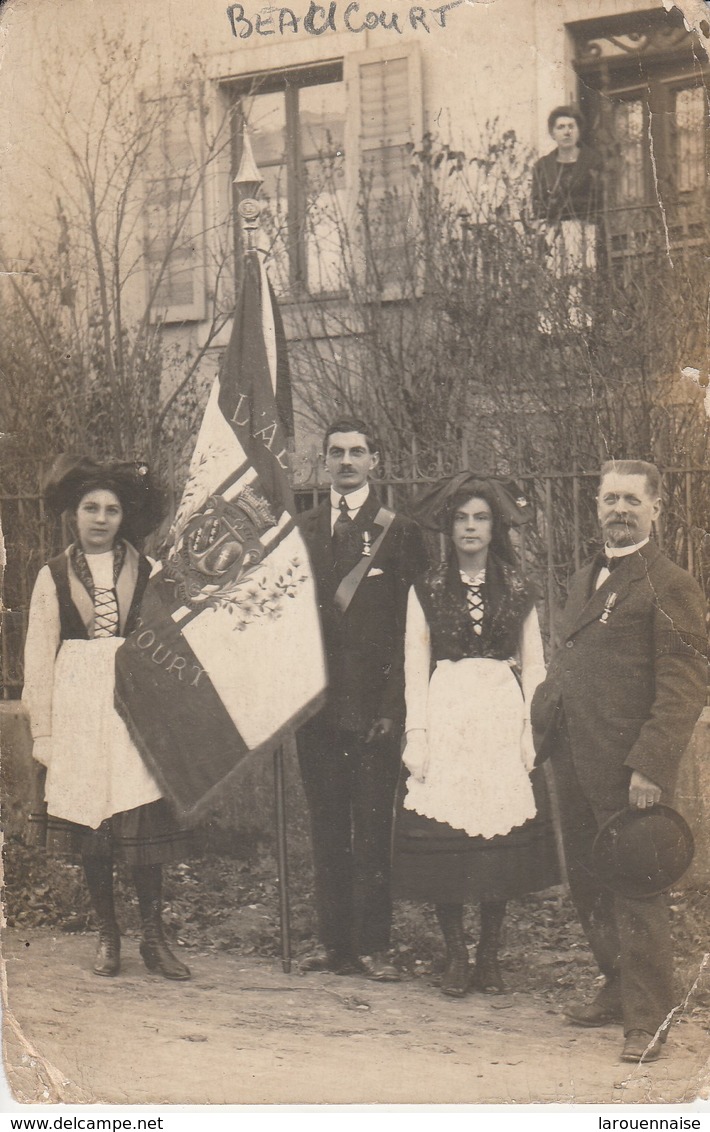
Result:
[507,601]
[71,624]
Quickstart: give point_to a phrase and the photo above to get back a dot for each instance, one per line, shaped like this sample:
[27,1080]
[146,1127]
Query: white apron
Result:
[95,770]
[475,780]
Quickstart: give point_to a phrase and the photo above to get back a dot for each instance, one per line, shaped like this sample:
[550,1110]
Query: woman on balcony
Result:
[468,829]
[100,798]
[567,200]
[567,181]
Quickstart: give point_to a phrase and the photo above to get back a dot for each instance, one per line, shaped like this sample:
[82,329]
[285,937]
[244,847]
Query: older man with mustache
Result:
[615,714]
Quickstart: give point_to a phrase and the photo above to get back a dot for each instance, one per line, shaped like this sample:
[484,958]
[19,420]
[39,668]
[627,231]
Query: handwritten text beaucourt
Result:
[353,17]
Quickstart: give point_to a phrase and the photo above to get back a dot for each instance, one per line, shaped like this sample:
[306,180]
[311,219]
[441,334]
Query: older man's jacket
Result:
[365,644]
[629,677]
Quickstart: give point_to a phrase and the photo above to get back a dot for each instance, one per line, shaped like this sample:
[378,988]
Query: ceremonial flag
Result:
[228,653]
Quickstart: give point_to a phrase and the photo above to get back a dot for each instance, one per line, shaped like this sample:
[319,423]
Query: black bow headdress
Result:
[71,477]
[433,509]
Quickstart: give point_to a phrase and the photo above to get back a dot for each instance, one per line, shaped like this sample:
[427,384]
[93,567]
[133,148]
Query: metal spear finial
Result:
[248,182]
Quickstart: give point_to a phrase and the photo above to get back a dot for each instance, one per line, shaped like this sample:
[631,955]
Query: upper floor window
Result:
[173,214]
[655,142]
[332,143]
[629,129]
[643,87]
[296,124]
[689,126]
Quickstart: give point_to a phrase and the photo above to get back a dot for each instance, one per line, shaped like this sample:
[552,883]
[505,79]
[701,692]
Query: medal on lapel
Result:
[608,606]
[366,544]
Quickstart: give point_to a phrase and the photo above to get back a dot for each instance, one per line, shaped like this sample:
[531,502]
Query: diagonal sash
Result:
[348,587]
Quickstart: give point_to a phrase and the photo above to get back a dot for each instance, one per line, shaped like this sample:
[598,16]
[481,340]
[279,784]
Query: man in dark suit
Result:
[365,557]
[615,713]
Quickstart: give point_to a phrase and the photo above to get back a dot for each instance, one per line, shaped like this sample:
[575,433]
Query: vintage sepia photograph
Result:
[354,553]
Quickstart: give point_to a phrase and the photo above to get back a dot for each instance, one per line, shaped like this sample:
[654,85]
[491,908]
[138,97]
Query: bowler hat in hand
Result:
[643,852]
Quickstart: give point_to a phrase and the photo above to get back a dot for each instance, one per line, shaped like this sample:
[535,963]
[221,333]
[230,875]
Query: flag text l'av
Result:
[228,653]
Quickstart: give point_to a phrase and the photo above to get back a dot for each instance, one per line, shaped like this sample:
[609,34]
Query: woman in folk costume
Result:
[100,798]
[469,829]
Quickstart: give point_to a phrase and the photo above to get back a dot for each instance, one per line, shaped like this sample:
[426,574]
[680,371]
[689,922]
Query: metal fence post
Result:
[550,551]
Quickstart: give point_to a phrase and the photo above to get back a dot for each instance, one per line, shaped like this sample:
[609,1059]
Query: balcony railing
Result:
[562,536]
[675,228]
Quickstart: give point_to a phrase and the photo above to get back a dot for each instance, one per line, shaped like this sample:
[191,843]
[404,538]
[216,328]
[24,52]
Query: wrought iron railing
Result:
[675,227]
[562,536]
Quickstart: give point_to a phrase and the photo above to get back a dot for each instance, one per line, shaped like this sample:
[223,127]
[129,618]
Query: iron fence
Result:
[562,535]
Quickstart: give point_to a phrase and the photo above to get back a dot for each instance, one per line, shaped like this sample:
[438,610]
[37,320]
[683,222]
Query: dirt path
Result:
[243,1032]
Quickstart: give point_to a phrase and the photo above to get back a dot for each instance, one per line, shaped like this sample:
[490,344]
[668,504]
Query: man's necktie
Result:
[343,524]
[345,537]
[605,567]
[608,563]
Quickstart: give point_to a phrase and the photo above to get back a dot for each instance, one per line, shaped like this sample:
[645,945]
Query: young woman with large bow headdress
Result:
[100,797]
[469,828]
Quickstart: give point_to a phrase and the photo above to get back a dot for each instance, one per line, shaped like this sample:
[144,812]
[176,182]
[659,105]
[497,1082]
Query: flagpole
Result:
[282,857]
[248,181]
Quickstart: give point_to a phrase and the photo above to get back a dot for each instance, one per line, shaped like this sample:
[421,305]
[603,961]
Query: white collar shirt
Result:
[617,552]
[478,580]
[355,500]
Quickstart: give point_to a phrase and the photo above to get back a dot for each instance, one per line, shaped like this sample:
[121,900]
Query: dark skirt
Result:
[145,835]
[437,864]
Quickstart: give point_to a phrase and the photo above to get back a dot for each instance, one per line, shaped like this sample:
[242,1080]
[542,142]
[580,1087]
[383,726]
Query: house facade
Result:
[333,95]
[122,132]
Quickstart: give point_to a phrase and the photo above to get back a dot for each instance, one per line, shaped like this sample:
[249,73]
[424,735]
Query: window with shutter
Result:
[296,122]
[385,120]
[332,142]
[174,222]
